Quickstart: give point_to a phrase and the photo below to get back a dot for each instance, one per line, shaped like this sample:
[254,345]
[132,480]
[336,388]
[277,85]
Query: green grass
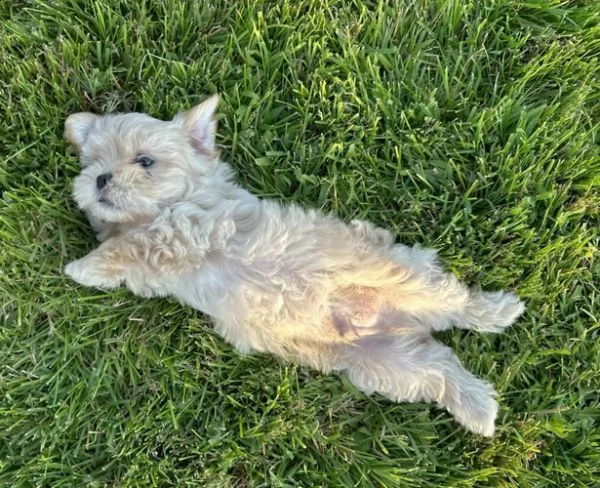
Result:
[470,126]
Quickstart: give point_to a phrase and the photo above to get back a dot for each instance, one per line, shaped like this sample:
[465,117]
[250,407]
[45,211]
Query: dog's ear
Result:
[77,128]
[200,125]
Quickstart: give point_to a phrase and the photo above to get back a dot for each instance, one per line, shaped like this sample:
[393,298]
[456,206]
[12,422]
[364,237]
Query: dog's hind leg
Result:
[417,368]
[439,300]
[436,298]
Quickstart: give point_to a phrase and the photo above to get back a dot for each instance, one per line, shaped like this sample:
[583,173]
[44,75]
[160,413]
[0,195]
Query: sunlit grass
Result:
[471,127]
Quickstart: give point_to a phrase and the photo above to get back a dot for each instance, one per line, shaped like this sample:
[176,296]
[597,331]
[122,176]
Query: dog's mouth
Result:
[105,201]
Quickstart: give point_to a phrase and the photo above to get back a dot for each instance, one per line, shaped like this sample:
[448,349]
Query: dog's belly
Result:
[362,311]
[210,289]
[257,310]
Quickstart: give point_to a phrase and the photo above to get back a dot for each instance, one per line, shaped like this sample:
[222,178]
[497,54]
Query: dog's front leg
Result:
[105,267]
[140,258]
[122,259]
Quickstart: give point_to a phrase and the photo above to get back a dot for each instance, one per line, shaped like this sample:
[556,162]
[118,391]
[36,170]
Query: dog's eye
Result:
[144,160]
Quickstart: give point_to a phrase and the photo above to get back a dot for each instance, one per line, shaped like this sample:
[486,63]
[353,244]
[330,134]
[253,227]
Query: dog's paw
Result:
[75,271]
[480,418]
[85,273]
[475,407]
[493,311]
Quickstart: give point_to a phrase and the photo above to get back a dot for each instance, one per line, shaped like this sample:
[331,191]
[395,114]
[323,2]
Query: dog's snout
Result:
[102,180]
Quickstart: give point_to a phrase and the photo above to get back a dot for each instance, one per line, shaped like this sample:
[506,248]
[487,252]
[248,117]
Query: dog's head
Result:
[133,165]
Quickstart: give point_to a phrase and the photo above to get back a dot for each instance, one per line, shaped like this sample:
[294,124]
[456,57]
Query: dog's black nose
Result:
[102,180]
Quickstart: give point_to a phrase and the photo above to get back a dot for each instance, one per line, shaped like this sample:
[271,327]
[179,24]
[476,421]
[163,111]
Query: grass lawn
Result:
[469,126]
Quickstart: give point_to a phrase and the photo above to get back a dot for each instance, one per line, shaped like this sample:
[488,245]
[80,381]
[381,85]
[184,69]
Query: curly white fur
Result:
[278,279]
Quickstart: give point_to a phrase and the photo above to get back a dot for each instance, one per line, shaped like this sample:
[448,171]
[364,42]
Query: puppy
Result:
[277,279]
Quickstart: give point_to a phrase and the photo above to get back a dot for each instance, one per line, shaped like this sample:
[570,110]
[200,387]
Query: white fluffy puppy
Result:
[278,279]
